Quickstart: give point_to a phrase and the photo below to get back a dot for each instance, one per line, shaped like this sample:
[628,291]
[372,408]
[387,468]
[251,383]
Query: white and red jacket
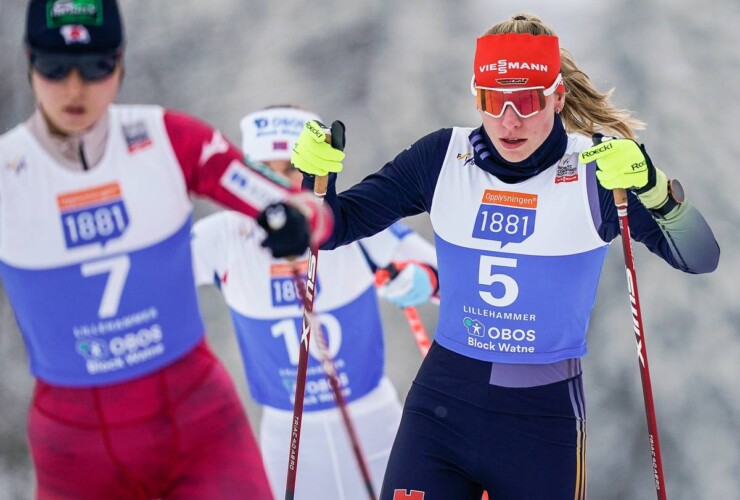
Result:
[266,309]
[97,263]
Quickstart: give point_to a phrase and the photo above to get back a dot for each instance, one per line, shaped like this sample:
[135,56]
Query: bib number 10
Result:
[505,287]
[288,329]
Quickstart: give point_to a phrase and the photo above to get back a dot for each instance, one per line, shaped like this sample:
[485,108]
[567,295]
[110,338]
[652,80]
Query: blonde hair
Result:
[587,110]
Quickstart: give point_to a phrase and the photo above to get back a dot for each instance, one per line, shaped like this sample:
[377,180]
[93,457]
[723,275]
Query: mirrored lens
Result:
[526,103]
[91,66]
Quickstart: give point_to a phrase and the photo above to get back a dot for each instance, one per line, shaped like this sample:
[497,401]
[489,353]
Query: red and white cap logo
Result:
[74,33]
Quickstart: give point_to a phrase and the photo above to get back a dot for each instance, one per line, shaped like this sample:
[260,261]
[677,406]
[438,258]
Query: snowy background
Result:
[394,71]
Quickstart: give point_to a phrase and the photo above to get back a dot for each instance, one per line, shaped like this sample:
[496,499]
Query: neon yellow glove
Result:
[312,154]
[624,164]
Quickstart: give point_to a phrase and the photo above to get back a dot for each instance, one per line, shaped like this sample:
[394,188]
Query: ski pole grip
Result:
[320,185]
[620,195]
[335,136]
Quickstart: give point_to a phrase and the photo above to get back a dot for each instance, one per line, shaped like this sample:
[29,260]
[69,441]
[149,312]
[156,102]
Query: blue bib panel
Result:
[548,315]
[270,348]
[111,319]
[267,311]
[519,264]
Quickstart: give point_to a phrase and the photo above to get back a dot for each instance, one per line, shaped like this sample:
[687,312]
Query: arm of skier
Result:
[683,238]
[681,235]
[209,244]
[213,167]
[408,283]
[405,266]
[403,187]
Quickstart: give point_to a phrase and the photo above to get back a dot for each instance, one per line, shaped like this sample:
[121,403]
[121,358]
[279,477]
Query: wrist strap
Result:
[665,208]
[676,196]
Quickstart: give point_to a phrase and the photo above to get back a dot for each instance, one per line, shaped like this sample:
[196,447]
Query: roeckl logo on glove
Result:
[638,166]
[604,147]
[316,131]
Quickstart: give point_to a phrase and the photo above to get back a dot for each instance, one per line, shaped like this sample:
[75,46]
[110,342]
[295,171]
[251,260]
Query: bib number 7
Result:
[117,269]
[488,277]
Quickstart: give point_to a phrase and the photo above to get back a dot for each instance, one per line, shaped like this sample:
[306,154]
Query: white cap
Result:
[269,134]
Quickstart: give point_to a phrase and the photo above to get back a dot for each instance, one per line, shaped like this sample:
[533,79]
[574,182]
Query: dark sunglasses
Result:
[92,67]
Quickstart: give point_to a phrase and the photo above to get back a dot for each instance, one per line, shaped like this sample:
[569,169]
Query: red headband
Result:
[516,60]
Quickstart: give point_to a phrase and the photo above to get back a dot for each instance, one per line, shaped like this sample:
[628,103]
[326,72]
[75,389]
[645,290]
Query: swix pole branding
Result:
[632,288]
[636,322]
[310,286]
[311,277]
[641,349]
[307,296]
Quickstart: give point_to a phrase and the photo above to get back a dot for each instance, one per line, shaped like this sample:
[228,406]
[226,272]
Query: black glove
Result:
[287,230]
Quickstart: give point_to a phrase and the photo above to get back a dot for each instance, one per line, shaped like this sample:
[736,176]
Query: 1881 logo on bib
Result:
[283,291]
[505,216]
[94,215]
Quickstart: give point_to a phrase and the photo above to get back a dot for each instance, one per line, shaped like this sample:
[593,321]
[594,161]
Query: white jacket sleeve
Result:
[398,243]
[209,245]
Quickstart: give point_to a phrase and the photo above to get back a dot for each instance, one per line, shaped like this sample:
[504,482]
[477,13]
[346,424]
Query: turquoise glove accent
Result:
[624,164]
[411,287]
[312,154]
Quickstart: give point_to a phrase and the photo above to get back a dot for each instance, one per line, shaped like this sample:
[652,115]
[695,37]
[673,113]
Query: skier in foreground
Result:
[267,314]
[521,231]
[130,402]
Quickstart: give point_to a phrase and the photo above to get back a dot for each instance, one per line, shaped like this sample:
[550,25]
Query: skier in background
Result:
[523,213]
[95,216]
[267,315]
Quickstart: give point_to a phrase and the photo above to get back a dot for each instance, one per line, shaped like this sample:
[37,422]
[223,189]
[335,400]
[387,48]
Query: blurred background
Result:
[395,71]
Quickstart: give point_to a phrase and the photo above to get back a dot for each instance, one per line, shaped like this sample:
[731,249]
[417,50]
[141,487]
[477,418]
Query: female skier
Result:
[267,315]
[521,227]
[130,402]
